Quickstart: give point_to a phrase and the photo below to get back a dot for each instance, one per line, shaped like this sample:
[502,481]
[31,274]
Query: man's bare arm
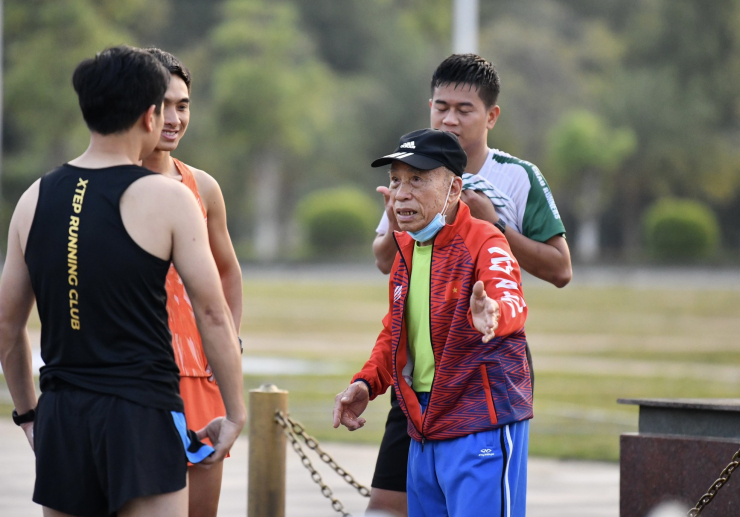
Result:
[384,249]
[16,302]
[194,261]
[223,250]
[548,261]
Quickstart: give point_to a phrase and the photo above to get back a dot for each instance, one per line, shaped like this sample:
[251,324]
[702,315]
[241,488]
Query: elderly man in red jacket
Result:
[452,344]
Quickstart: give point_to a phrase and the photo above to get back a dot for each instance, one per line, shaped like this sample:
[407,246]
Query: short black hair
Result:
[460,69]
[172,64]
[117,86]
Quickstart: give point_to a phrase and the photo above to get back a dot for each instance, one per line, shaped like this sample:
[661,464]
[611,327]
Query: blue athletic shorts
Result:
[390,470]
[481,474]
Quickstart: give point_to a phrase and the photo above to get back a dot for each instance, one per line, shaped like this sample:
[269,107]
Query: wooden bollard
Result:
[266,494]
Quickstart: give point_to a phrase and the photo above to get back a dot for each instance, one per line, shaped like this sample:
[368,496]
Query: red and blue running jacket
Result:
[477,386]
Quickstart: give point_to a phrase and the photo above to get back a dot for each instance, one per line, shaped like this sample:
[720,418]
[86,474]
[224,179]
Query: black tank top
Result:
[101,298]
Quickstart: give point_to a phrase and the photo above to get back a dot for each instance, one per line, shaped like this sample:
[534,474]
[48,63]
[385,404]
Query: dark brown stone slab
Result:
[706,404]
[656,468]
[718,418]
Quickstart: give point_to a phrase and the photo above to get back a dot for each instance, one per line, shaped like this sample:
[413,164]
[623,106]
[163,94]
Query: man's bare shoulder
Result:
[154,209]
[26,207]
[159,184]
[30,196]
[160,191]
[25,210]
[207,184]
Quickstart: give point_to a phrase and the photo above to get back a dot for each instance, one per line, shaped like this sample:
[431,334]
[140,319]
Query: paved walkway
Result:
[556,488]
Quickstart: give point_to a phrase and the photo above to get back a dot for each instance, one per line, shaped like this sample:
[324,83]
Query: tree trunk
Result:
[630,218]
[588,246]
[267,182]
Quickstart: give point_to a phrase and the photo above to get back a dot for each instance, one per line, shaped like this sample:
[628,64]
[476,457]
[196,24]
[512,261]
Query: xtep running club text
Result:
[74,228]
[101,297]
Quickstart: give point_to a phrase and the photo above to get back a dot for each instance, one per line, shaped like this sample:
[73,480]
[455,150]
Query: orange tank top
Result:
[186,341]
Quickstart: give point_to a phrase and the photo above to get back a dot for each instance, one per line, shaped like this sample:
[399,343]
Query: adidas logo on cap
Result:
[427,149]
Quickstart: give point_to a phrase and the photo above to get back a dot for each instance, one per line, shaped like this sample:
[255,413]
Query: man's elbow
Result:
[381,257]
[232,277]
[214,316]
[10,324]
[562,278]
[384,266]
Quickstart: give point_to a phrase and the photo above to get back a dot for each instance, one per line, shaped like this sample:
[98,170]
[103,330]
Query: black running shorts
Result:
[393,457]
[94,452]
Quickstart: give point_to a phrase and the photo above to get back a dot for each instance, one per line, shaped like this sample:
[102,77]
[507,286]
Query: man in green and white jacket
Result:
[465,88]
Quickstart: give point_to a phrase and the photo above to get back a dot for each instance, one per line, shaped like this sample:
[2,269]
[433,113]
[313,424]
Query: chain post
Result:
[267,453]
[724,477]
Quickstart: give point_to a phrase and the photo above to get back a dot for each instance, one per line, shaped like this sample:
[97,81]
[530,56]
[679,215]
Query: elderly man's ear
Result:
[456,189]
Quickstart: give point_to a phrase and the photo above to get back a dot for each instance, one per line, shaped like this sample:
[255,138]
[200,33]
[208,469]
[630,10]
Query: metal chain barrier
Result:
[336,504]
[291,428]
[313,444]
[716,486]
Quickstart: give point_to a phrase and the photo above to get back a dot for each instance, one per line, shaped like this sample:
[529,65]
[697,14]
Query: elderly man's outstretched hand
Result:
[485,312]
[350,404]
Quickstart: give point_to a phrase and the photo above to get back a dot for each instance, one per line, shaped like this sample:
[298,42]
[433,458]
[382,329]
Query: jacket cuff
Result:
[369,389]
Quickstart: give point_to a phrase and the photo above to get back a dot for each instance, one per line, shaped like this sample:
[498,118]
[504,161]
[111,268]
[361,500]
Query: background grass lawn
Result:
[591,345]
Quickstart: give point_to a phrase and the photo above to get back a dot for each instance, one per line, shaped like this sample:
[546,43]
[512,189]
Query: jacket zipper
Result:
[395,356]
[395,360]
[431,388]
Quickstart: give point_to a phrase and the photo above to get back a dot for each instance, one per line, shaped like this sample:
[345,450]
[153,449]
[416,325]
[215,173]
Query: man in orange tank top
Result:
[198,388]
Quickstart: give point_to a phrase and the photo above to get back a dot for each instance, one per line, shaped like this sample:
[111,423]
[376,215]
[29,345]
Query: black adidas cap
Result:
[428,149]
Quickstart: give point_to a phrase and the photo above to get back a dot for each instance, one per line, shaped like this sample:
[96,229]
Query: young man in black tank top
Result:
[91,242]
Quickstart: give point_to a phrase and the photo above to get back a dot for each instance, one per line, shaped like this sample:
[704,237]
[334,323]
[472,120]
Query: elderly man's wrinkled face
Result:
[418,196]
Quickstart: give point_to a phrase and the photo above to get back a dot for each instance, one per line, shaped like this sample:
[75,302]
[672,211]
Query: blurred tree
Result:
[614,12]
[339,116]
[312,90]
[45,39]
[337,221]
[676,90]
[384,53]
[187,27]
[270,100]
[699,42]
[345,32]
[549,61]
[586,154]
[681,230]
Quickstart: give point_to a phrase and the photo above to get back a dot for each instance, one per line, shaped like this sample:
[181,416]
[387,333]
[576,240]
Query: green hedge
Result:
[681,230]
[338,221]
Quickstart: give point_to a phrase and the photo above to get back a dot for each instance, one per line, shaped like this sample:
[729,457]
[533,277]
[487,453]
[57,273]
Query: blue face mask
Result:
[435,225]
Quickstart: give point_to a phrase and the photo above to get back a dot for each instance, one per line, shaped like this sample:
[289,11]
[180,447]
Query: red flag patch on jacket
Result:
[453,290]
